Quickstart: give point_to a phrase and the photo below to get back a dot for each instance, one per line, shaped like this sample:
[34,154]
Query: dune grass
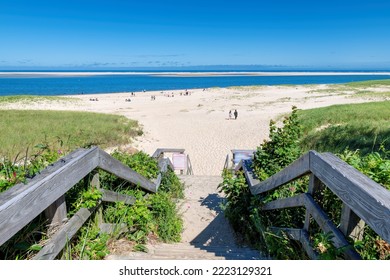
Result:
[378,89]
[355,126]
[27,99]
[371,83]
[24,129]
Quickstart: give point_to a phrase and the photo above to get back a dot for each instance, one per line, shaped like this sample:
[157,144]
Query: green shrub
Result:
[140,162]
[152,215]
[165,215]
[282,148]
[242,209]
[171,184]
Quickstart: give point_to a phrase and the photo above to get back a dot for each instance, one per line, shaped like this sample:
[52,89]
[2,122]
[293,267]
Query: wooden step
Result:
[184,251]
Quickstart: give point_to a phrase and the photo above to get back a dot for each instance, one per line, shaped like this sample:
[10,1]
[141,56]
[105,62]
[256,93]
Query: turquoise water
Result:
[129,83]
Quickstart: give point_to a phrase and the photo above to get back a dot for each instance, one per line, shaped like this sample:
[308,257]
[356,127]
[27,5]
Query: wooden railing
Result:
[237,156]
[226,164]
[46,193]
[159,154]
[363,200]
[189,166]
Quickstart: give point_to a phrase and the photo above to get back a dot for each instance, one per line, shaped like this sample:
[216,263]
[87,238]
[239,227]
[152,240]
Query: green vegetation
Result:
[371,83]
[283,147]
[153,216]
[22,130]
[379,89]
[28,99]
[363,126]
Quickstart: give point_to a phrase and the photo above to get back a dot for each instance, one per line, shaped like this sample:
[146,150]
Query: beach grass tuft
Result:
[371,83]
[24,129]
[28,99]
[378,89]
[355,126]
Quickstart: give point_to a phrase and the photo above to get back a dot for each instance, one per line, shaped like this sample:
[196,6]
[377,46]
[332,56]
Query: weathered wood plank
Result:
[158,181]
[21,188]
[160,151]
[350,224]
[327,225]
[56,213]
[163,164]
[24,203]
[114,166]
[307,245]
[95,183]
[369,200]
[110,196]
[249,173]
[297,169]
[190,171]
[238,167]
[171,164]
[288,202]
[226,165]
[314,188]
[60,238]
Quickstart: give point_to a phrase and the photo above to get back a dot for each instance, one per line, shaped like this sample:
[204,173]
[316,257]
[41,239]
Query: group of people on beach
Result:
[235,113]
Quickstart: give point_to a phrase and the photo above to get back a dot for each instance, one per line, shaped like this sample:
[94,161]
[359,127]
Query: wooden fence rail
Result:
[159,154]
[46,192]
[364,201]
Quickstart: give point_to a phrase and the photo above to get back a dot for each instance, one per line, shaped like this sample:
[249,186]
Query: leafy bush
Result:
[171,184]
[242,209]
[282,148]
[169,224]
[89,244]
[140,162]
[18,170]
[376,165]
[152,215]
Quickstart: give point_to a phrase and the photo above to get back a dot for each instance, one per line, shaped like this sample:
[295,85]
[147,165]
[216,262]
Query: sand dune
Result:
[199,122]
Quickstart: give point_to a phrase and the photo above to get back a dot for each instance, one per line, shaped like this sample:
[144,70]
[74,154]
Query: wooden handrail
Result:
[226,164]
[159,154]
[23,202]
[114,166]
[160,151]
[189,166]
[362,197]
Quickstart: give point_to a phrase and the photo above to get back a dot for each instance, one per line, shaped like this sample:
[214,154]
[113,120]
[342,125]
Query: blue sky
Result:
[95,34]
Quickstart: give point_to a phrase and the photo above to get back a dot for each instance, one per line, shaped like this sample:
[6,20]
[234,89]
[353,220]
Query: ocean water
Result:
[67,85]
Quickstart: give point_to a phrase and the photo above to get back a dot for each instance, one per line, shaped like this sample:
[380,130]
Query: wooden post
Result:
[351,224]
[56,213]
[314,187]
[95,183]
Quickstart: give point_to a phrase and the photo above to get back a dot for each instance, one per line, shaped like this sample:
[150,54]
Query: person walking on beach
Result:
[235,114]
[230,114]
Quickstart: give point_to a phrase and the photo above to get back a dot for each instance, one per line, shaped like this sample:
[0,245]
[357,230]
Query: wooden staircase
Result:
[207,234]
[186,251]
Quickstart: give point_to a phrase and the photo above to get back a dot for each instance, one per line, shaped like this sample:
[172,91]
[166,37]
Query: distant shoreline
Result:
[26,74]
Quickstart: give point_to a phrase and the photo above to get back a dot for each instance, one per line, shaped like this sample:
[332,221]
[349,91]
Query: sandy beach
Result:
[199,122]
